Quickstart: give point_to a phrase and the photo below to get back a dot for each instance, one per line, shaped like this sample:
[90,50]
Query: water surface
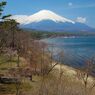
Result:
[77,50]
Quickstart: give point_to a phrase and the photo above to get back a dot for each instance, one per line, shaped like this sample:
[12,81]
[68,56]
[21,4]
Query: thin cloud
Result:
[81,19]
[83,6]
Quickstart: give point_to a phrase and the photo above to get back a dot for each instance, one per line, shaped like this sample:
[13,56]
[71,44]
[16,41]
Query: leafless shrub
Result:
[85,76]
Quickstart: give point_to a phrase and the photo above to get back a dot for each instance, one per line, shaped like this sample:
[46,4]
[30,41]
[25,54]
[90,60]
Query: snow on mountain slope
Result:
[46,20]
[46,15]
[40,16]
[19,18]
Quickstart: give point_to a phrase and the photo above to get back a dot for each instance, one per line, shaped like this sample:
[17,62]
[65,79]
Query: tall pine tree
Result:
[2,5]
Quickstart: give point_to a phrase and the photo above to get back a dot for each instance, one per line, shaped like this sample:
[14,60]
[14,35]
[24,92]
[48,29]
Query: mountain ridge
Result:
[39,16]
[46,20]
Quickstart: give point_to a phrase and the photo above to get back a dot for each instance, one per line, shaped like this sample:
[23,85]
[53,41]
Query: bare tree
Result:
[85,74]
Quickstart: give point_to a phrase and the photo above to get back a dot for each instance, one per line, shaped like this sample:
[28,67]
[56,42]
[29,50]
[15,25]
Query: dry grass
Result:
[62,80]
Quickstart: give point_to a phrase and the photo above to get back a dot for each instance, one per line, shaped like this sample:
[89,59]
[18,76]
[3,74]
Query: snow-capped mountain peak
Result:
[40,16]
[46,20]
[46,15]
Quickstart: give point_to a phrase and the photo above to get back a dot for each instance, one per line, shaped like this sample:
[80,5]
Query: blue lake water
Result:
[76,50]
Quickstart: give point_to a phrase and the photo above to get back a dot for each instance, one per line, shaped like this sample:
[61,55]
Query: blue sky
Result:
[83,10]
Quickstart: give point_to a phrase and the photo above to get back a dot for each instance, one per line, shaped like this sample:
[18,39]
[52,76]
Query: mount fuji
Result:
[46,20]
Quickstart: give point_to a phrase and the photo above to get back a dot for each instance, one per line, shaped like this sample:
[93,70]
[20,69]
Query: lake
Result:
[76,50]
